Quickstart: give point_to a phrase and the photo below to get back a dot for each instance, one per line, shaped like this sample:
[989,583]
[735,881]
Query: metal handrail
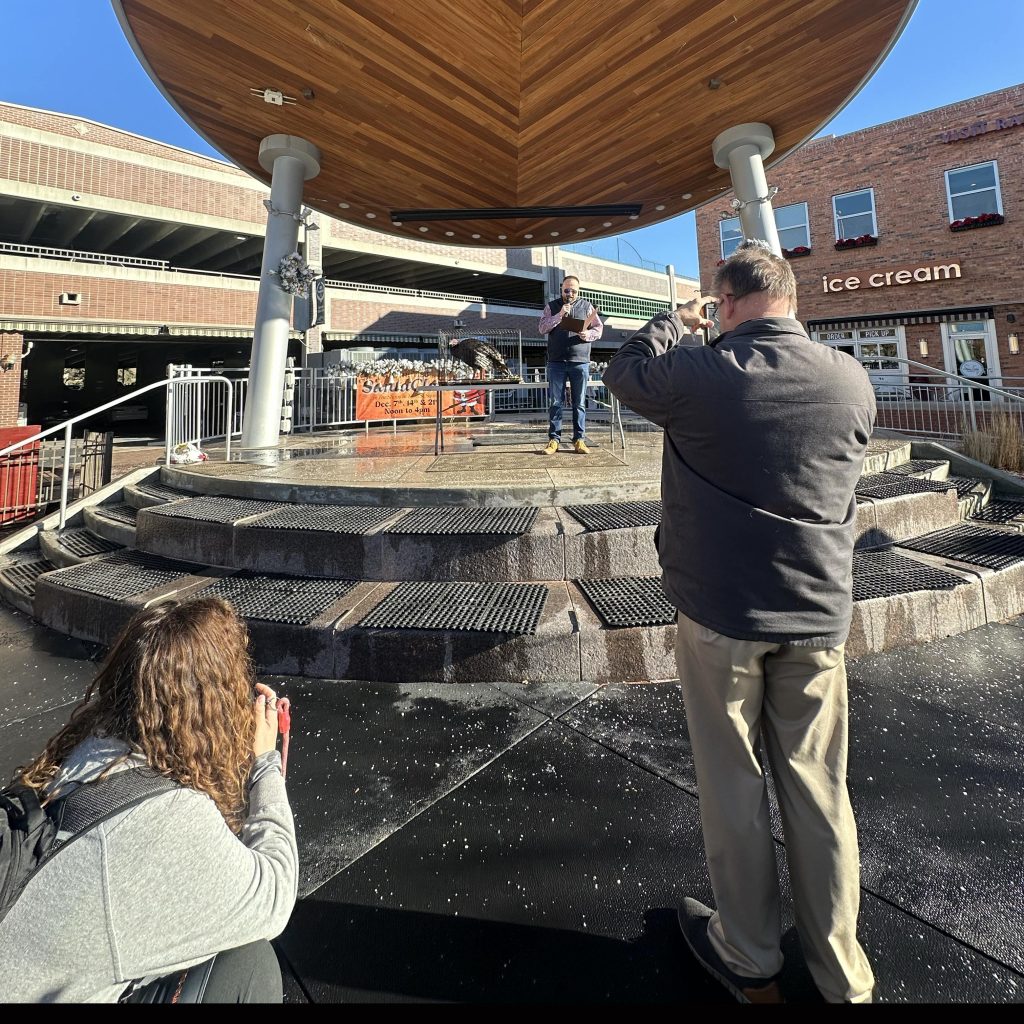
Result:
[67,426]
[966,382]
[81,256]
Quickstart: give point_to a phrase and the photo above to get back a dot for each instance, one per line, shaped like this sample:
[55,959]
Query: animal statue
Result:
[484,359]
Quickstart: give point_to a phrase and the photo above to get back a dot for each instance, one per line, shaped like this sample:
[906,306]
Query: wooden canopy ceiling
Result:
[522,106]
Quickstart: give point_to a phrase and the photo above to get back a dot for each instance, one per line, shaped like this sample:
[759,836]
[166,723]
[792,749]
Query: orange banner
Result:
[401,398]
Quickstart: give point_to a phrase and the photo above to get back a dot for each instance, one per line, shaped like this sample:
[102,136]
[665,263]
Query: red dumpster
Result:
[19,476]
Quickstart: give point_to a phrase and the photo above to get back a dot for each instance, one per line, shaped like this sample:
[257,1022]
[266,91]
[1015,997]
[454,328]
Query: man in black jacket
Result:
[765,436]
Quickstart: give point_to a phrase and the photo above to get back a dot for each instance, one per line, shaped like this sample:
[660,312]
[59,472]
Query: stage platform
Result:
[488,465]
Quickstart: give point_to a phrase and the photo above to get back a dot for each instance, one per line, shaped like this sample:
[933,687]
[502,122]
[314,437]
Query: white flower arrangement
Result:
[384,368]
[295,274]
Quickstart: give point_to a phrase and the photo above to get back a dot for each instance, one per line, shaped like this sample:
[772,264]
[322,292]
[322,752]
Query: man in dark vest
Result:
[569,360]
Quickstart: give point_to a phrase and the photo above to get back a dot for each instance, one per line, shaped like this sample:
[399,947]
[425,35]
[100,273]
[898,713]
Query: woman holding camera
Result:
[137,905]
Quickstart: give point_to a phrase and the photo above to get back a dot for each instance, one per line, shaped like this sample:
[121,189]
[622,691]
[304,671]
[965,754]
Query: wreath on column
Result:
[295,274]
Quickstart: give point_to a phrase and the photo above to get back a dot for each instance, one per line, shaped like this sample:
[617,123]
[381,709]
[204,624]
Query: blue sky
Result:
[70,56]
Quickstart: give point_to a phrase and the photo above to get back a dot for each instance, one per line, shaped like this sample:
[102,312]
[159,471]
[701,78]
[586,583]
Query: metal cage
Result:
[508,342]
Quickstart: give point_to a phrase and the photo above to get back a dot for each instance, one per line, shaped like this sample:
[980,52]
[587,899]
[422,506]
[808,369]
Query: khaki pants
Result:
[739,695]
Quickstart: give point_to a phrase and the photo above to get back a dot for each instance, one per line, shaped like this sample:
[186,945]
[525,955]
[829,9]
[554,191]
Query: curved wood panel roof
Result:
[514,122]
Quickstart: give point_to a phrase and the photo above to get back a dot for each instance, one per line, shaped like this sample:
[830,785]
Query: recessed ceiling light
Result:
[501,238]
[476,236]
[372,216]
[450,234]
[554,234]
[527,236]
[344,206]
[607,224]
[687,195]
[397,223]
[424,229]
[475,274]
[580,231]
[240,238]
[660,207]
[634,216]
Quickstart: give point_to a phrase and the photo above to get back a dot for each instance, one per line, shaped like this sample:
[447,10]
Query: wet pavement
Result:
[507,843]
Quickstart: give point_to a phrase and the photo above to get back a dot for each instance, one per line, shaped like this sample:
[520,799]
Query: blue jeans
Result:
[577,374]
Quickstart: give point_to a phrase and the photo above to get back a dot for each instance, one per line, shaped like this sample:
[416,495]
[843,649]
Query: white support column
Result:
[743,150]
[291,161]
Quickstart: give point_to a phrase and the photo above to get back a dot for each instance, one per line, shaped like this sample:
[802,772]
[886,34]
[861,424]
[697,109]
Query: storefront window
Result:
[879,350]
[74,372]
[855,214]
[732,235]
[793,226]
[973,191]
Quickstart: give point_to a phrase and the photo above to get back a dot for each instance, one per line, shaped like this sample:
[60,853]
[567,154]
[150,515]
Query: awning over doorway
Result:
[932,316]
[130,330]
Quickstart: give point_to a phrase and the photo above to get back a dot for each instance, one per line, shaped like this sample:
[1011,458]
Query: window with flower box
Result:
[854,215]
[731,235]
[793,227]
[974,192]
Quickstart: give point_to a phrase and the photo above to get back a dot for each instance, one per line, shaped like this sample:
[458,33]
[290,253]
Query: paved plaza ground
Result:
[530,843]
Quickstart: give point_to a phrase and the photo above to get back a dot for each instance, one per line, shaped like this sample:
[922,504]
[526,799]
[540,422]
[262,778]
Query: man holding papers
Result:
[572,325]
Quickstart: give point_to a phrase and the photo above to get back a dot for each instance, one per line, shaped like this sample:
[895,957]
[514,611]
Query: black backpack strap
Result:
[95,802]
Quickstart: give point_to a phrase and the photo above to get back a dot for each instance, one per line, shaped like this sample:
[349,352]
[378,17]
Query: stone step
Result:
[886,453]
[18,576]
[114,522]
[151,492]
[74,545]
[593,629]
[386,543]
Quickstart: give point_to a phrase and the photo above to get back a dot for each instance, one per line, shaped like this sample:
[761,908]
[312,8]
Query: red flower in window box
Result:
[797,250]
[983,220]
[857,243]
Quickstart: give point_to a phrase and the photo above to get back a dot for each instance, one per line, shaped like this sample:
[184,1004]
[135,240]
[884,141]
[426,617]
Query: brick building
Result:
[119,255]
[906,239]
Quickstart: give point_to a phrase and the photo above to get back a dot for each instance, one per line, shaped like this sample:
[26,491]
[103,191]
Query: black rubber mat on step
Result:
[289,599]
[619,516]
[1002,510]
[974,544]
[965,486]
[478,607]
[215,510]
[123,575]
[23,575]
[159,490]
[885,573]
[886,485]
[449,519]
[629,601]
[914,466]
[356,519]
[118,513]
[85,544]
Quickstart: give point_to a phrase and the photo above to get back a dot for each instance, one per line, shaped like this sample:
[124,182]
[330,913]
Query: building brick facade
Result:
[104,243]
[894,283]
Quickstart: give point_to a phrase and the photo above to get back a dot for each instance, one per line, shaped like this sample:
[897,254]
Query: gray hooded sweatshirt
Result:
[765,437]
[151,891]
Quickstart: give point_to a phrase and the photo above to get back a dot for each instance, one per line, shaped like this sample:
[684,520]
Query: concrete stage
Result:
[486,465]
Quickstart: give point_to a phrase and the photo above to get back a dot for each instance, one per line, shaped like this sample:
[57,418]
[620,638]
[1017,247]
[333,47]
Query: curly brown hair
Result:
[177,687]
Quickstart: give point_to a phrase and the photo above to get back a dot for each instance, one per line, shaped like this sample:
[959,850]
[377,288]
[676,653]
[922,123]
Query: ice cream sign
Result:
[897,276]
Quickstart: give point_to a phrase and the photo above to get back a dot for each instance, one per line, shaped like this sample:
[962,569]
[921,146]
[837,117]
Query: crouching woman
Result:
[174,899]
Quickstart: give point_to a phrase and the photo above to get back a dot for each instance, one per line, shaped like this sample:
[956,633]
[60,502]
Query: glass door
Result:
[970,351]
[878,349]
